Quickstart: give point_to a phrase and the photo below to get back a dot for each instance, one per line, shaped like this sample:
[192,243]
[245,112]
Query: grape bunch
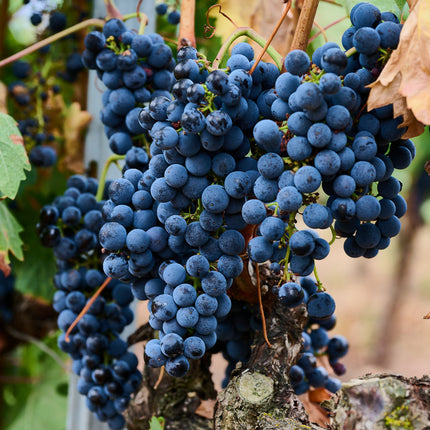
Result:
[234,159]
[37,82]
[168,224]
[107,372]
[6,298]
[135,68]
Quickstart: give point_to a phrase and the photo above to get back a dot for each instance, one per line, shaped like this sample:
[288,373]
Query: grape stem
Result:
[160,378]
[86,308]
[333,235]
[253,35]
[304,26]
[84,24]
[351,52]
[143,22]
[112,159]
[260,302]
[269,41]
[319,283]
[187,35]
[290,230]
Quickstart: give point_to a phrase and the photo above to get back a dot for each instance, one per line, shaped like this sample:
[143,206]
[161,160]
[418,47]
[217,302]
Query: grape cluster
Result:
[234,159]
[37,136]
[36,86]
[135,69]
[168,224]
[108,373]
[316,342]
[6,298]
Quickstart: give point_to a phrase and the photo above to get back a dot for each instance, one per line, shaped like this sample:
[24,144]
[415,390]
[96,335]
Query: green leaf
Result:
[38,401]
[13,157]
[9,234]
[400,4]
[39,263]
[156,423]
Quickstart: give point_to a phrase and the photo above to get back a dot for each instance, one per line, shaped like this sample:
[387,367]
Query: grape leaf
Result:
[400,4]
[42,388]
[156,423]
[39,263]
[405,79]
[13,157]
[9,234]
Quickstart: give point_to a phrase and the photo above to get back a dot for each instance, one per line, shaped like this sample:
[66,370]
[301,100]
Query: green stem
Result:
[253,35]
[333,235]
[290,230]
[112,159]
[351,52]
[132,15]
[53,38]
[143,22]
[319,283]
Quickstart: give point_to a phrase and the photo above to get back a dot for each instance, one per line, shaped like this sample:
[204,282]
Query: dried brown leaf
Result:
[206,409]
[75,123]
[405,79]
[316,413]
[318,395]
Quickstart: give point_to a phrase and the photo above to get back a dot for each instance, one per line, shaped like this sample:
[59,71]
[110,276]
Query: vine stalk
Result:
[187,35]
[112,159]
[304,26]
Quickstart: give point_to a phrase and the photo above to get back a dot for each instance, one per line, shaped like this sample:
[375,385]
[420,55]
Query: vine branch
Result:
[84,24]
[304,26]
[187,35]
